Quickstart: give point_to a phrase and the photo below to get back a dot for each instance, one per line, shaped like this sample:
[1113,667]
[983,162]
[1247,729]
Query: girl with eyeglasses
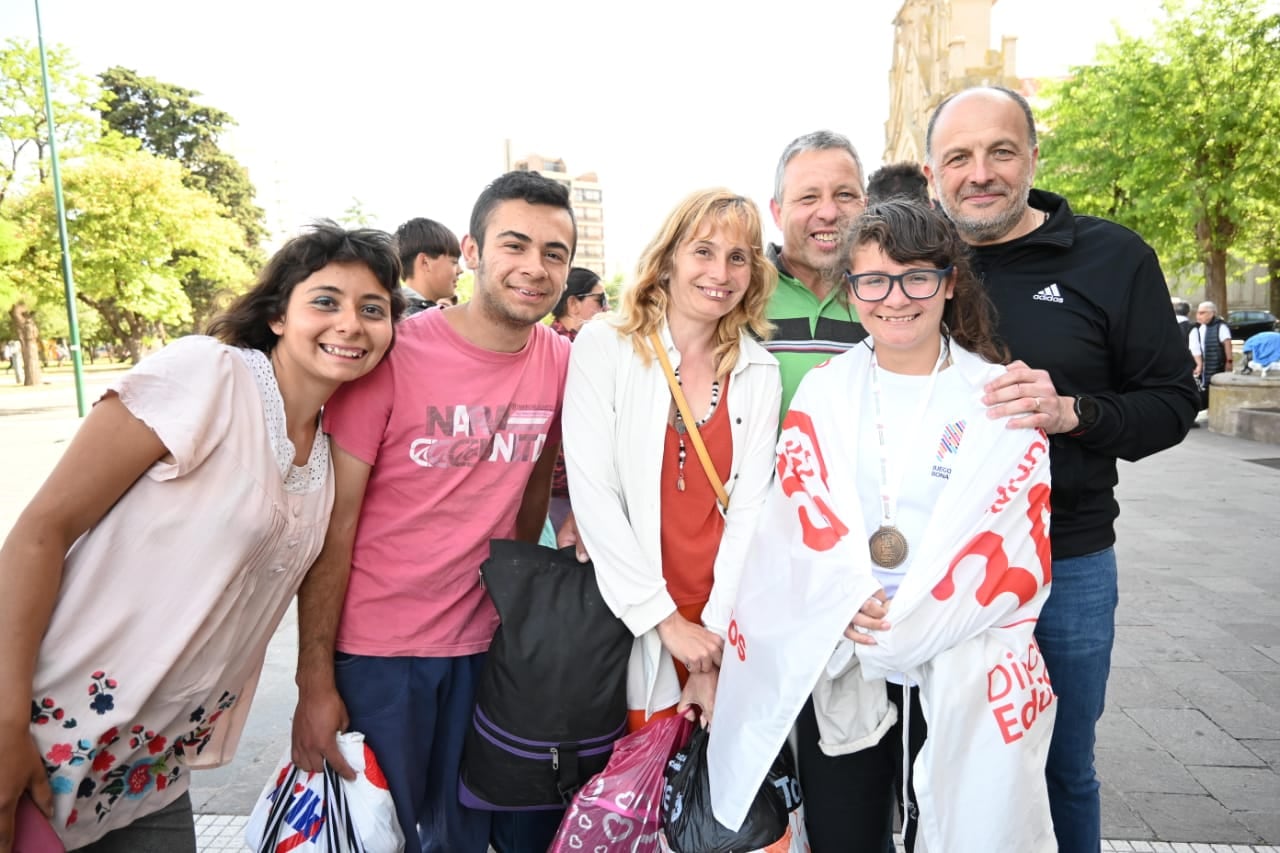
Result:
[909,531]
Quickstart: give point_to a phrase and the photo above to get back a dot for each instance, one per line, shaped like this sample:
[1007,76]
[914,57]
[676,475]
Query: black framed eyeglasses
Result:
[915,284]
[601,297]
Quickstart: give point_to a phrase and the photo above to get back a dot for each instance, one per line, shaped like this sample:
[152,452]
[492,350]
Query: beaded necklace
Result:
[681,429]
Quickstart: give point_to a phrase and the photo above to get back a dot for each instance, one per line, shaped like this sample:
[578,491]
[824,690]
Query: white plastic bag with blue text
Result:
[324,813]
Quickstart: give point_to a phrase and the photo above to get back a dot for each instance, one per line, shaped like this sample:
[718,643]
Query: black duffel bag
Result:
[552,697]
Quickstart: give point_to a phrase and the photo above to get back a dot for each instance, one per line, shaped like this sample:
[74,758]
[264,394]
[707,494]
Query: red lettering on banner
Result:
[1038,515]
[802,474]
[1028,464]
[737,640]
[1022,690]
[1006,683]
[1000,576]
[1008,724]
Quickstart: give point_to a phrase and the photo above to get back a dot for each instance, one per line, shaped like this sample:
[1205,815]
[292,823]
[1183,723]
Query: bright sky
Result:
[405,104]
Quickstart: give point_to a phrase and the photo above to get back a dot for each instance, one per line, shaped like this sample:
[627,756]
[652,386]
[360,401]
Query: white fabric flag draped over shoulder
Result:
[962,622]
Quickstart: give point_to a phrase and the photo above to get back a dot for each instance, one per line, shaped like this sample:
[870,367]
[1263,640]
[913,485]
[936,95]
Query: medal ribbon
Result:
[891,472]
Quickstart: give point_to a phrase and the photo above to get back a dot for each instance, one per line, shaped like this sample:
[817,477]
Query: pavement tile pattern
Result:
[217,833]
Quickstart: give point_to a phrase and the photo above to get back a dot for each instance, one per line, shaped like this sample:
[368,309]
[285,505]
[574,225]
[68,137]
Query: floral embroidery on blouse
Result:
[109,780]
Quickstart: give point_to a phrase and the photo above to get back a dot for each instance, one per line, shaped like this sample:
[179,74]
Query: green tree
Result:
[355,216]
[23,123]
[10,250]
[168,121]
[24,146]
[1177,136]
[614,287]
[466,286]
[1260,244]
[137,231]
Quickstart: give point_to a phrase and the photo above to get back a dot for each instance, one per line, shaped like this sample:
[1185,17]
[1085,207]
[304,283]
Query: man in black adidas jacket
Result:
[1084,301]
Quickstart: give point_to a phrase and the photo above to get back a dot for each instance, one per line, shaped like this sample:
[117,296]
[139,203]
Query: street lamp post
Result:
[69,285]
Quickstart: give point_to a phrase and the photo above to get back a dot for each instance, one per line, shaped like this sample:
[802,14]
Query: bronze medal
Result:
[888,547]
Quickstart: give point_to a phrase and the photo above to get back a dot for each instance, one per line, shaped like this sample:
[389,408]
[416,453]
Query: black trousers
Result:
[850,800]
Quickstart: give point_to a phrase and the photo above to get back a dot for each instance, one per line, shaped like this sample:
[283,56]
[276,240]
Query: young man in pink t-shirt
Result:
[449,443]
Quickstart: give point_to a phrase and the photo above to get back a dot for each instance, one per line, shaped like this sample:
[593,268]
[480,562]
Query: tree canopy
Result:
[169,122]
[1176,136]
[24,160]
[137,231]
[23,124]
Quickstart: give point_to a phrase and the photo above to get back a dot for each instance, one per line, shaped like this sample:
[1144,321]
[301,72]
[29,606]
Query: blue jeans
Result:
[1076,631]
[414,714]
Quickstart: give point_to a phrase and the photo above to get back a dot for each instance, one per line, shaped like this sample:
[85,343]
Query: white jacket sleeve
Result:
[632,587]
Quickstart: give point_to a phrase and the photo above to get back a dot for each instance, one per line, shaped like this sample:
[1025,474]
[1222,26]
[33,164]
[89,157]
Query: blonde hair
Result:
[644,303]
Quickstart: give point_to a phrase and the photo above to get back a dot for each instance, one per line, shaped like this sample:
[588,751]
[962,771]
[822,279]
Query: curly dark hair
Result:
[908,232]
[246,322]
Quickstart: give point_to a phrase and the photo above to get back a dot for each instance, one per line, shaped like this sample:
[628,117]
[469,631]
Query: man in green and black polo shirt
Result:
[817,190]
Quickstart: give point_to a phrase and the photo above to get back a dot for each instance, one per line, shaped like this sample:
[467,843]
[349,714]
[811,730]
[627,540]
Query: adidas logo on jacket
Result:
[1049,294]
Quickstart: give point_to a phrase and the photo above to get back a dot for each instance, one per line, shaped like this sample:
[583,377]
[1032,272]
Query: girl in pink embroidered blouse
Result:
[145,578]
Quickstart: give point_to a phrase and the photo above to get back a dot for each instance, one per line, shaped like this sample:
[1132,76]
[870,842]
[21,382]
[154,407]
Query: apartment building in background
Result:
[588,206]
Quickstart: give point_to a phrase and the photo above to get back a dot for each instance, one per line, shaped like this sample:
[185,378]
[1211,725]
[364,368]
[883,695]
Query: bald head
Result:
[981,161]
[988,93]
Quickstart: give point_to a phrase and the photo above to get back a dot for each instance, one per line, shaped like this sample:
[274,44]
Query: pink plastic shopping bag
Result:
[620,808]
[32,831]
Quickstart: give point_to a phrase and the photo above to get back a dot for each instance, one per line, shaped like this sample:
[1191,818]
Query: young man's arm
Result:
[321,714]
[537,495]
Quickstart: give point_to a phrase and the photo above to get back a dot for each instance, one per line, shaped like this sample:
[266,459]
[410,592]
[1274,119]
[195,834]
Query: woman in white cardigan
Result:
[667,554]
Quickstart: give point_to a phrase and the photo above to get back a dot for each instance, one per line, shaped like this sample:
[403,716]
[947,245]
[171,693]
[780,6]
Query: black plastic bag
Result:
[687,819]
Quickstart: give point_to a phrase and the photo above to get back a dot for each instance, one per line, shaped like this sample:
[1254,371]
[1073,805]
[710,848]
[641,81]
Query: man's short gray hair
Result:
[819,140]
[1207,306]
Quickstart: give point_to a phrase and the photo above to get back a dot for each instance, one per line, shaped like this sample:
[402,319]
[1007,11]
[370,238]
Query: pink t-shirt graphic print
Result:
[462,436]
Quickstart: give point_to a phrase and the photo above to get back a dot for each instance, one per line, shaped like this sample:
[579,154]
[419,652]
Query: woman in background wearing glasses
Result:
[896,487]
[583,298]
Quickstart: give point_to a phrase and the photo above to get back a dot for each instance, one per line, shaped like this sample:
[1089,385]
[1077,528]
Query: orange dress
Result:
[692,525]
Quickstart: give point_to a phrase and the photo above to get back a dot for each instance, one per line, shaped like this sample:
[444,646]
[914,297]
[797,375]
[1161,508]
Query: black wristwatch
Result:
[1087,413]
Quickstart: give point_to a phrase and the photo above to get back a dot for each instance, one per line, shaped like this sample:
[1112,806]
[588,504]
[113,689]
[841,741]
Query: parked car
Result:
[1245,324]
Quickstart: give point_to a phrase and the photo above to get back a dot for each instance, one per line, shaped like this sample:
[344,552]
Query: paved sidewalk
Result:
[1189,749]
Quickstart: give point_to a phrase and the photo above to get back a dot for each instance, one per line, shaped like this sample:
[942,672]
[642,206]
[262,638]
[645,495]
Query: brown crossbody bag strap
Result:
[691,423]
